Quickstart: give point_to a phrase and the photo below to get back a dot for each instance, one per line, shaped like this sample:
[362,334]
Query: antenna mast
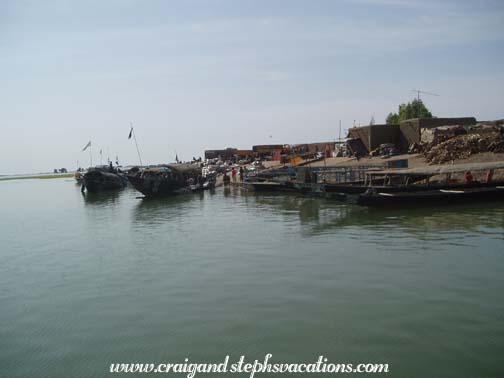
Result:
[418,91]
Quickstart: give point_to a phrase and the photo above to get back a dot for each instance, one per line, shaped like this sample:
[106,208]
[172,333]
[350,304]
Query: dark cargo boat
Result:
[167,180]
[396,188]
[272,186]
[103,178]
[440,196]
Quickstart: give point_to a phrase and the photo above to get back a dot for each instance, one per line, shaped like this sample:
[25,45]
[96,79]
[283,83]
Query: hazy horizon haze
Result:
[196,75]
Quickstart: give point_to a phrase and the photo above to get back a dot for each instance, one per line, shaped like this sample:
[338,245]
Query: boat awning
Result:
[437,170]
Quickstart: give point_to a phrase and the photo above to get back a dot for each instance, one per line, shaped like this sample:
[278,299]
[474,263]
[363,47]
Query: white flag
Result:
[86,146]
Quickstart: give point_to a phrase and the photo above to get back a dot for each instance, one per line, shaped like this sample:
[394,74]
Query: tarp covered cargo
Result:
[165,179]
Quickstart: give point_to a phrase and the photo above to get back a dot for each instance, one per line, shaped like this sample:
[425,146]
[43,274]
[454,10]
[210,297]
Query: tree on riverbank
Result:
[413,109]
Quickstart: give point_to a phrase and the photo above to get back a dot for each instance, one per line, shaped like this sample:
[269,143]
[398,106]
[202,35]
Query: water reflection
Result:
[444,218]
[314,215]
[106,198]
[151,211]
[307,208]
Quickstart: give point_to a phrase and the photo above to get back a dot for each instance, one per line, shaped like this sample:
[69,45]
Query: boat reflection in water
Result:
[320,215]
[153,211]
[101,199]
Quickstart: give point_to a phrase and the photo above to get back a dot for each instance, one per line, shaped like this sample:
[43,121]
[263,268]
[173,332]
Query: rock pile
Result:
[463,146]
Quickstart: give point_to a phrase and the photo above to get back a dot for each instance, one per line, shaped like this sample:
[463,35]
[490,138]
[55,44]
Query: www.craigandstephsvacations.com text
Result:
[190,369]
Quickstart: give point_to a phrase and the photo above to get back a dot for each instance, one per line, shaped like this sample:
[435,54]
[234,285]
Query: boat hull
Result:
[156,187]
[361,189]
[272,186]
[96,181]
[440,196]
[166,180]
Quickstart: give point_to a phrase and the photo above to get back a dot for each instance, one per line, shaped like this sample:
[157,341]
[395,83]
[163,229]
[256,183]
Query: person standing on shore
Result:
[241,173]
[226,179]
[488,176]
[468,177]
[233,174]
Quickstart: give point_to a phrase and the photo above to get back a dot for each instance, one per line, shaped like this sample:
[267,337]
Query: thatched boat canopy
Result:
[184,167]
[181,168]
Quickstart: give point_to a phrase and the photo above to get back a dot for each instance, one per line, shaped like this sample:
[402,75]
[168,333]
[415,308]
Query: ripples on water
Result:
[95,279]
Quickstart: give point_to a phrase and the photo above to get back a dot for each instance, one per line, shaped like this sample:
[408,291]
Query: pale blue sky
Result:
[193,75]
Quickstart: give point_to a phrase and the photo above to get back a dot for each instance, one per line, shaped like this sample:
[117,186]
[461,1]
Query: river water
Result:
[87,281]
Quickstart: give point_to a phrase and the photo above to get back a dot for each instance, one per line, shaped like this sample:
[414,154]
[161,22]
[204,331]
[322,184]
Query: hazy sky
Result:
[194,75]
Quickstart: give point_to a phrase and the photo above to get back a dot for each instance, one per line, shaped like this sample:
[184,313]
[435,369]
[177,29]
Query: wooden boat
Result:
[333,180]
[361,189]
[344,188]
[415,186]
[271,186]
[167,180]
[103,178]
[439,196]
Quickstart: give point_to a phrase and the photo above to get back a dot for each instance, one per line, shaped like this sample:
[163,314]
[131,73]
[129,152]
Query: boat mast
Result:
[136,144]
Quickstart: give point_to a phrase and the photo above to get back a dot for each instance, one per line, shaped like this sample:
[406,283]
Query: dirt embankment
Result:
[468,148]
[463,147]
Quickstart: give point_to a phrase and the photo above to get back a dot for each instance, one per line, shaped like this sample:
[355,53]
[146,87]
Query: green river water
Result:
[87,281]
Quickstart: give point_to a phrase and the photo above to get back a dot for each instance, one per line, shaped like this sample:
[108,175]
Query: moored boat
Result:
[103,178]
[271,186]
[434,185]
[439,196]
[167,180]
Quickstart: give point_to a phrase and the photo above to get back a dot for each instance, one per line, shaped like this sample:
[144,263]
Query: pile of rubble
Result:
[463,146]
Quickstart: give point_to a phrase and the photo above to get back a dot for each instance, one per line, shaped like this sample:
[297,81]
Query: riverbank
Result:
[414,160]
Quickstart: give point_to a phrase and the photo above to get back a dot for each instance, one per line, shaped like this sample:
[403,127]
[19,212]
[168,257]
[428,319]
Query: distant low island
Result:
[36,176]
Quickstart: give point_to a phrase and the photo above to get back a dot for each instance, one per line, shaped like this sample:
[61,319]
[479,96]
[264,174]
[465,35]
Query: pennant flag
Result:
[87,146]
[131,133]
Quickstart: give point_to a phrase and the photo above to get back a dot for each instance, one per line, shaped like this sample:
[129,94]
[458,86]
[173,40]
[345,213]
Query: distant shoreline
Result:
[37,176]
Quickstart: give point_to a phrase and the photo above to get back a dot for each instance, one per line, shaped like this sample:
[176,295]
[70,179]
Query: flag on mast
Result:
[87,146]
[132,134]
